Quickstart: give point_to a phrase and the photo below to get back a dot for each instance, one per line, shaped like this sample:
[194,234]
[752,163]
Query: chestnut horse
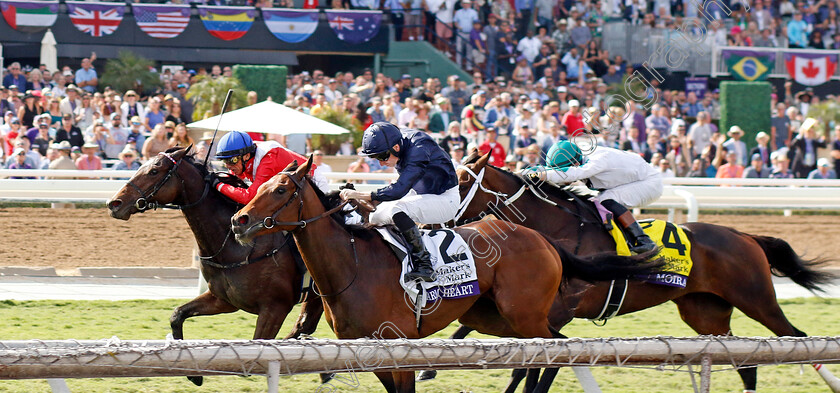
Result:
[730,268]
[261,280]
[358,274]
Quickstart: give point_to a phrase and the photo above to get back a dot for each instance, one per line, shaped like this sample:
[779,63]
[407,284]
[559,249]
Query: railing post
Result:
[273,376]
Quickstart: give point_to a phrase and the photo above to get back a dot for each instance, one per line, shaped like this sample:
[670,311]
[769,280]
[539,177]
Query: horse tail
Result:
[605,266]
[785,262]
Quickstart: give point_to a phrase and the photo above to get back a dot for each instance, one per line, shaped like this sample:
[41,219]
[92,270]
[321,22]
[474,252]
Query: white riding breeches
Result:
[422,208]
[635,194]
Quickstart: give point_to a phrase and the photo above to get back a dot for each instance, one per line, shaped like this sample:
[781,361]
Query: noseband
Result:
[144,203]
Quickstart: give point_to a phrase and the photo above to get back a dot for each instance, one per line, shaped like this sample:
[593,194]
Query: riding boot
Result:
[641,242]
[420,257]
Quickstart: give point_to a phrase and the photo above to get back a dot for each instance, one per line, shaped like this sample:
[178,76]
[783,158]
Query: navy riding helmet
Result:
[379,138]
[234,144]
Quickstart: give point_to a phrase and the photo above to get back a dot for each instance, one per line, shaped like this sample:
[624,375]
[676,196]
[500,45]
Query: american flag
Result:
[96,19]
[162,21]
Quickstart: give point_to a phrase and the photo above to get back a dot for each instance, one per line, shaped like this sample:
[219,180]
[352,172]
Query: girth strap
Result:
[615,298]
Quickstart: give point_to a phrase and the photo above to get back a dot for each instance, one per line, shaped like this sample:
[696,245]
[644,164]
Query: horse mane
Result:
[553,190]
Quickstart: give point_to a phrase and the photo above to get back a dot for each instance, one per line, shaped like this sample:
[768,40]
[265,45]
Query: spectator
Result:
[730,170]
[156,144]
[115,138]
[463,24]
[18,161]
[86,76]
[29,110]
[154,114]
[575,67]
[421,121]
[762,150]
[408,113]
[128,160]
[664,167]
[736,145]
[90,160]
[803,150]
[441,119]
[823,170]
[529,46]
[298,143]
[573,119]
[42,140]
[472,117]
[580,33]
[63,160]
[522,73]
[180,137]
[757,169]
[678,156]
[174,114]
[797,31]
[697,168]
[15,77]
[491,35]
[501,115]
[782,162]
[497,152]
[780,128]
[561,36]
[523,141]
[71,102]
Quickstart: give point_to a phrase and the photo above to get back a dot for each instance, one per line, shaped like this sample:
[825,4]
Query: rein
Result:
[144,204]
[209,260]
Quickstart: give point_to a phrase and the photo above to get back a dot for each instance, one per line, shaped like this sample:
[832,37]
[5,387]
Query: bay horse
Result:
[731,269]
[358,274]
[262,279]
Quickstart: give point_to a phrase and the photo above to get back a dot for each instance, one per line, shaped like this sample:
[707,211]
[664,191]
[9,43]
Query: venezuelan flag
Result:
[227,23]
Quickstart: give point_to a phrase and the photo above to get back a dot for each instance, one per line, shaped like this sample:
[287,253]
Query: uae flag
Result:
[810,69]
[29,16]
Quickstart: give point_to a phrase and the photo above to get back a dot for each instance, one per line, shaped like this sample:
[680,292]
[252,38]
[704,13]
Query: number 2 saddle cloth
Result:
[452,261]
[675,251]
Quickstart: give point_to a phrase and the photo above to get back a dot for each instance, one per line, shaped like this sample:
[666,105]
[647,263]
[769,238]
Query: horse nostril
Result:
[116,203]
[242,220]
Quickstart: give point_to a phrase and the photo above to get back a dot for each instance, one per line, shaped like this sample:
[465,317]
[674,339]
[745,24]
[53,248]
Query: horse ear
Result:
[304,169]
[292,165]
[180,153]
[482,162]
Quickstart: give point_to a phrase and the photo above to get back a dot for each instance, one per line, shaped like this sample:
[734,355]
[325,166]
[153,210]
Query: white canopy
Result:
[271,118]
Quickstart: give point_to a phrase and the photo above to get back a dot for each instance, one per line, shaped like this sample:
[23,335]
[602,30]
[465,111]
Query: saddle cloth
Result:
[675,251]
[452,261]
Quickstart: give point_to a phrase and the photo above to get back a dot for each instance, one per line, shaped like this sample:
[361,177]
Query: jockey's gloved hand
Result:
[213,179]
[532,173]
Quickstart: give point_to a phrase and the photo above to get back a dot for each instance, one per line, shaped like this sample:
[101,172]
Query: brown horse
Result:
[730,269]
[261,280]
[358,274]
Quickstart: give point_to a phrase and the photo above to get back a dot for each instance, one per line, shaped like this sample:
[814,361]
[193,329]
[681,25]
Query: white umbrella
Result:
[49,54]
[271,118]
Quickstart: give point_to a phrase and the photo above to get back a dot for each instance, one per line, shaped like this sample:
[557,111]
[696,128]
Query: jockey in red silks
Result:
[256,162]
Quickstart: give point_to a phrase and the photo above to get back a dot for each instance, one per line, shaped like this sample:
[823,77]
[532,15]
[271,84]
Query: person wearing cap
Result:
[115,138]
[128,160]
[736,145]
[494,147]
[625,178]
[781,164]
[131,108]
[425,192]
[823,170]
[804,149]
[135,131]
[71,102]
[757,169]
[89,160]
[561,36]
[9,135]
[62,161]
[18,161]
[256,162]
[573,119]
[29,110]
[41,142]
[442,117]
[33,158]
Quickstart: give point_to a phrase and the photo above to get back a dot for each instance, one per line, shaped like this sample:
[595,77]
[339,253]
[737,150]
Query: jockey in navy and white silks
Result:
[426,191]
[624,178]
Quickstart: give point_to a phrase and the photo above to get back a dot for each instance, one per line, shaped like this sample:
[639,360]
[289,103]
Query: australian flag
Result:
[355,27]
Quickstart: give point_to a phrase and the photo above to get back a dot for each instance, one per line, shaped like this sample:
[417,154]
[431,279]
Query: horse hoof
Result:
[426,375]
[198,381]
[326,377]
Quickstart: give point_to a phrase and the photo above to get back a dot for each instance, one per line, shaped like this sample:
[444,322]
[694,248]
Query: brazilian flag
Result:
[749,65]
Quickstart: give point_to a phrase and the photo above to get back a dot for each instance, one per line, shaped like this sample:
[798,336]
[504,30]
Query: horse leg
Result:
[532,376]
[404,381]
[310,314]
[204,304]
[387,381]
[516,377]
[460,333]
[710,314]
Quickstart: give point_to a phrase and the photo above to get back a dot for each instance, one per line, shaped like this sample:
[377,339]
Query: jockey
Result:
[256,162]
[426,191]
[624,179]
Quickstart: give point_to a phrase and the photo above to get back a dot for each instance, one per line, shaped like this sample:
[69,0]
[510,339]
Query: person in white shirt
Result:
[624,178]
[463,24]
[321,166]
[408,113]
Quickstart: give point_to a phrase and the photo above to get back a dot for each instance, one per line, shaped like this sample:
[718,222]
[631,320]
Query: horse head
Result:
[155,184]
[482,187]
[277,206]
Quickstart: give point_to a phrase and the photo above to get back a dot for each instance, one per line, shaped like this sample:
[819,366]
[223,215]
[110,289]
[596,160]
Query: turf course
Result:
[136,320]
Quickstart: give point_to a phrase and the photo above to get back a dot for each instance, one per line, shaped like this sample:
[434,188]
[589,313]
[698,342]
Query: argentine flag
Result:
[291,26]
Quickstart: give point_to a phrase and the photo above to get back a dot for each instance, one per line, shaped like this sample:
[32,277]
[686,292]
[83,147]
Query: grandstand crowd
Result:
[547,83]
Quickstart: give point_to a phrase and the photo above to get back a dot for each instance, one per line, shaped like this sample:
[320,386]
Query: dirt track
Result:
[69,238]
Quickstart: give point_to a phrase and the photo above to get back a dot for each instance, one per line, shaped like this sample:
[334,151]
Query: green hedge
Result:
[267,81]
[747,105]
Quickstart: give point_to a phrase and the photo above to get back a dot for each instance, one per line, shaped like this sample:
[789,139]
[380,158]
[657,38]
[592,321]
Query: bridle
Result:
[145,203]
[270,222]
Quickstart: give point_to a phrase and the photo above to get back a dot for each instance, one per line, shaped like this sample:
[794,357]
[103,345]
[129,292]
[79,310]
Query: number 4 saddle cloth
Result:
[675,251]
[451,258]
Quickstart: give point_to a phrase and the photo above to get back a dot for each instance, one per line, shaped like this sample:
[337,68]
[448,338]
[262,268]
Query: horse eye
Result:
[280,190]
[153,172]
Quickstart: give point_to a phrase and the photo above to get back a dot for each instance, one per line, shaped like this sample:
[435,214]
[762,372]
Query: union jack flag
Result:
[341,23]
[96,19]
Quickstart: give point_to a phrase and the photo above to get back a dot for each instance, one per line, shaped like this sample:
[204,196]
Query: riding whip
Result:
[224,107]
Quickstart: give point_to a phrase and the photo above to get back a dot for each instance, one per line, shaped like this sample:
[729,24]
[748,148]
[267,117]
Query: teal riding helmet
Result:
[564,155]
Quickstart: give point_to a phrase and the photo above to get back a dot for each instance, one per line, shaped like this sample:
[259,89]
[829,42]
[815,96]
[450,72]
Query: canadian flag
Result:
[810,69]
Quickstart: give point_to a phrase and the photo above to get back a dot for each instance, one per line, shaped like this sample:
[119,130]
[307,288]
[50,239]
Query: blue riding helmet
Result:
[564,155]
[379,138]
[234,144]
